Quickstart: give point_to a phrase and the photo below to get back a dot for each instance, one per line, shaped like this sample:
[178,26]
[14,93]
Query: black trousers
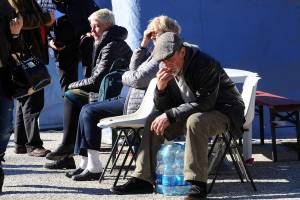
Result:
[28,110]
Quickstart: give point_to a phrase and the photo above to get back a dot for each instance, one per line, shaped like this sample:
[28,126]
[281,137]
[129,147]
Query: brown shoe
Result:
[20,149]
[39,152]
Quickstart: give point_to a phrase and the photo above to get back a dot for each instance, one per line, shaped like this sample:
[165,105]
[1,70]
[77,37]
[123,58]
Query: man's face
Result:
[96,29]
[175,63]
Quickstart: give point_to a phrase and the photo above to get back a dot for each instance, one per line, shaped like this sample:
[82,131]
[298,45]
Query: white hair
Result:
[103,16]
[165,24]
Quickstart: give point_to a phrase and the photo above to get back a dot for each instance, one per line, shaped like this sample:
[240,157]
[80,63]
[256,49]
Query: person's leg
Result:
[199,127]
[6,109]
[73,101]
[91,114]
[144,174]
[93,168]
[32,108]
[20,137]
[81,167]
[71,115]
[150,145]
[89,135]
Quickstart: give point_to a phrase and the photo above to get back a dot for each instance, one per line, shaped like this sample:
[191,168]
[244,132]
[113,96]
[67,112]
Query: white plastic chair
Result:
[231,146]
[248,95]
[134,121]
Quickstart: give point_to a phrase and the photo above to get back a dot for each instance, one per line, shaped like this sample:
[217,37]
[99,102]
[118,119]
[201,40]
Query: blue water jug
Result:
[169,170]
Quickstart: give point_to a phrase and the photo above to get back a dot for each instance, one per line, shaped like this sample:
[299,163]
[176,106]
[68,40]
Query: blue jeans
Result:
[88,134]
[6,125]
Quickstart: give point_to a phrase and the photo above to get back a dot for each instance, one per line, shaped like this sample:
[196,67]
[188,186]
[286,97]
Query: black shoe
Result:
[87,176]
[61,152]
[74,172]
[133,186]
[1,178]
[65,163]
[197,191]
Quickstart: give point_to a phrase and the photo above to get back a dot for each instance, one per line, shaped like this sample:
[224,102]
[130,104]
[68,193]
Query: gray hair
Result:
[103,16]
[165,24]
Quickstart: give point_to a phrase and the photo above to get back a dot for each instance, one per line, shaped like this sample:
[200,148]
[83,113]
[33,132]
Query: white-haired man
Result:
[109,45]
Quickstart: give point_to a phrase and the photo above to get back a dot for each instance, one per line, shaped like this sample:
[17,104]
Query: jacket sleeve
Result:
[139,77]
[16,45]
[32,14]
[162,99]
[207,88]
[102,67]
[138,57]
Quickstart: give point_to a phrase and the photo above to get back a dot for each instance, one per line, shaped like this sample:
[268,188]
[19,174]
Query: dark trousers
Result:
[73,102]
[6,113]
[67,69]
[88,134]
[28,110]
[71,114]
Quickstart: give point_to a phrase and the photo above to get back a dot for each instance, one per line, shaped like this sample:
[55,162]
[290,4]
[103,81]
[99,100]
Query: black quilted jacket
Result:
[111,47]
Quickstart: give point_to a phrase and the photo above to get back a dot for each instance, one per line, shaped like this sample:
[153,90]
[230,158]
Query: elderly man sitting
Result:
[194,96]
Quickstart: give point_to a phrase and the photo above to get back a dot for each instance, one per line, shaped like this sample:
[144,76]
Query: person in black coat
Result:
[66,43]
[10,27]
[193,96]
[36,21]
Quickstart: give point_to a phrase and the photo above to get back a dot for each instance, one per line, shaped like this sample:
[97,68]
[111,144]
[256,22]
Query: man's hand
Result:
[147,37]
[16,25]
[160,124]
[163,77]
[54,47]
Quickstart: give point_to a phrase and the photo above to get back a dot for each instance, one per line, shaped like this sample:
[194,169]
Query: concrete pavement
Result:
[27,179]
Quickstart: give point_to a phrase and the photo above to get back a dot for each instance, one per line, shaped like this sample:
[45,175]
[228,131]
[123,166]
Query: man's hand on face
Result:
[160,124]
[146,38]
[163,77]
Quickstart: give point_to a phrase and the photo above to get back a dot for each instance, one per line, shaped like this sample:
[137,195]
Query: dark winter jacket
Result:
[8,45]
[34,29]
[211,86]
[77,12]
[111,47]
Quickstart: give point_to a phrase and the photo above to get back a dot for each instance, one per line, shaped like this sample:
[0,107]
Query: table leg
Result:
[274,150]
[298,133]
[261,124]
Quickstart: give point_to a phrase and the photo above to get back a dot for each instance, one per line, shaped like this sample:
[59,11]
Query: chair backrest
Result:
[147,105]
[248,95]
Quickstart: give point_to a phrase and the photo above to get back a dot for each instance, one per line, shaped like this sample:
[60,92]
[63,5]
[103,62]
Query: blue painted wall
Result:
[256,35]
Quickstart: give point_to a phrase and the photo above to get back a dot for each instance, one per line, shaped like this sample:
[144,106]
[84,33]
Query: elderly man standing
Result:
[194,96]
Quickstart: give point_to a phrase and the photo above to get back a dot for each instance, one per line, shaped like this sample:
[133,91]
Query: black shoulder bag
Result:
[29,75]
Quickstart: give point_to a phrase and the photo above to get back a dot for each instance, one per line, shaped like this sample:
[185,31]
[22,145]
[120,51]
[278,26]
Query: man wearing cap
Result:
[194,96]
